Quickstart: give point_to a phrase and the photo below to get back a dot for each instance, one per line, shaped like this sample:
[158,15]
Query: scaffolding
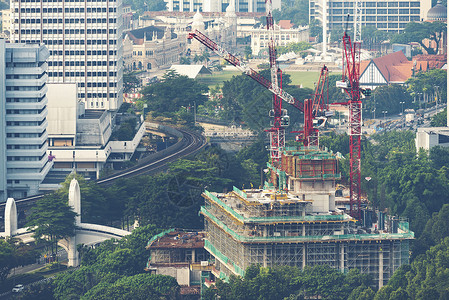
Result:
[268,228]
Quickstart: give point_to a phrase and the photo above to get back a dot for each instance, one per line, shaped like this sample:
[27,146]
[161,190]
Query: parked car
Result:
[18,288]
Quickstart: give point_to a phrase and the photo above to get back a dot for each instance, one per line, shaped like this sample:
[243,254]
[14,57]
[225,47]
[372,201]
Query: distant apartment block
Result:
[23,107]
[219,5]
[84,38]
[390,16]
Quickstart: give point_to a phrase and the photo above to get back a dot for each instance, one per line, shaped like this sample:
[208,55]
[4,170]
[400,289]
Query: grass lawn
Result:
[307,79]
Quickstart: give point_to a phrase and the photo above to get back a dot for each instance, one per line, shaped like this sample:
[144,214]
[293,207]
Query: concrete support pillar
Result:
[304,259]
[72,253]
[342,257]
[191,6]
[265,255]
[303,229]
[75,199]
[381,268]
[193,255]
[10,217]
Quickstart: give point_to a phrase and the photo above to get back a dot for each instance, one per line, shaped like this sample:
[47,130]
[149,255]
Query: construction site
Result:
[295,222]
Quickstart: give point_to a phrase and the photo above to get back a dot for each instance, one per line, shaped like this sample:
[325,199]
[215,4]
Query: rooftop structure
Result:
[295,222]
[179,254]
[396,68]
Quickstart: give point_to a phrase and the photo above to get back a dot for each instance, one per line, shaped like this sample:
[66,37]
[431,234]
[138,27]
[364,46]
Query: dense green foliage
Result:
[417,32]
[388,98]
[52,219]
[426,278]
[6,259]
[172,99]
[293,47]
[297,11]
[319,282]
[408,185]
[440,119]
[126,130]
[246,101]
[115,270]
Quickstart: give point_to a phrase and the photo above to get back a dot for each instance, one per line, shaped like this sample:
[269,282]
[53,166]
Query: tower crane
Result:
[351,85]
[312,108]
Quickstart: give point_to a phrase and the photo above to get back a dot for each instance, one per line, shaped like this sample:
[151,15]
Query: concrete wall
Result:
[62,106]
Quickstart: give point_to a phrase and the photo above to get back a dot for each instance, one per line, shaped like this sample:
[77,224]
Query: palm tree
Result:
[205,57]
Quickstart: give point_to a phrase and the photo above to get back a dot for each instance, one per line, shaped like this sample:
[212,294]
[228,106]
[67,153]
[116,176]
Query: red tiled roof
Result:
[395,67]
[286,24]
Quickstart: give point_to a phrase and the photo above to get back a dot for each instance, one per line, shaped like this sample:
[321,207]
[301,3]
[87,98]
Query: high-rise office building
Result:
[391,16]
[219,5]
[23,109]
[84,38]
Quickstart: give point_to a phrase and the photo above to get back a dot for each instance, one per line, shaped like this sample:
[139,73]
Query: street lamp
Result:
[402,107]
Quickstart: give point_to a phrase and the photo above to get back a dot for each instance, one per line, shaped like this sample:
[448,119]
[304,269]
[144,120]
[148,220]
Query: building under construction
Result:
[295,222]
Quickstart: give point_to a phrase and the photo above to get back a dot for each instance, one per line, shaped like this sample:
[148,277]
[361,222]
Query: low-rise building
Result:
[179,254]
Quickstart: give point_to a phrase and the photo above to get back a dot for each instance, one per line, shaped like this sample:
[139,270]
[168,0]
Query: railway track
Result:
[191,143]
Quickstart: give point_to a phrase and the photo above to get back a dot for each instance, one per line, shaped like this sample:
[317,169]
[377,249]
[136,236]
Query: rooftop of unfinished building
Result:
[311,152]
[272,199]
[179,239]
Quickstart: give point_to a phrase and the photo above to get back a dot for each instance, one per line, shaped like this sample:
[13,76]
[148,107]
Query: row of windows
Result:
[24,147]
[24,100]
[401,11]
[25,111]
[97,84]
[97,95]
[26,135]
[82,74]
[80,52]
[67,31]
[25,158]
[67,21]
[24,88]
[38,1]
[23,123]
[378,4]
[67,10]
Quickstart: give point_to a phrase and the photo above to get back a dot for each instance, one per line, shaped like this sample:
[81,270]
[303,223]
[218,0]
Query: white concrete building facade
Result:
[391,16]
[23,107]
[219,5]
[85,42]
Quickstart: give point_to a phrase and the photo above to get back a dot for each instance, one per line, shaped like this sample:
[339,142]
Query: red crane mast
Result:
[280,117]
[351,85]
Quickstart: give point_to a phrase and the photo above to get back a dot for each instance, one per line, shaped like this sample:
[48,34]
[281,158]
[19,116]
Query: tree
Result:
[137,287]
[130,82]
[52,219]
[417,32]
[440,119]
[6,259]
[171,97]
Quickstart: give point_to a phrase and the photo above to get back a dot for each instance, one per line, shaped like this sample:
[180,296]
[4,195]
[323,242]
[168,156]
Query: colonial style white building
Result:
[282,36]
[152,47]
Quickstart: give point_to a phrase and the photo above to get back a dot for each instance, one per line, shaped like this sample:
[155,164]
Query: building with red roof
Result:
[396,68]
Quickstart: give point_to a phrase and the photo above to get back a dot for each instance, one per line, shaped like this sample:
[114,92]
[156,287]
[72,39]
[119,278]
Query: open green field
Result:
[307,79]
